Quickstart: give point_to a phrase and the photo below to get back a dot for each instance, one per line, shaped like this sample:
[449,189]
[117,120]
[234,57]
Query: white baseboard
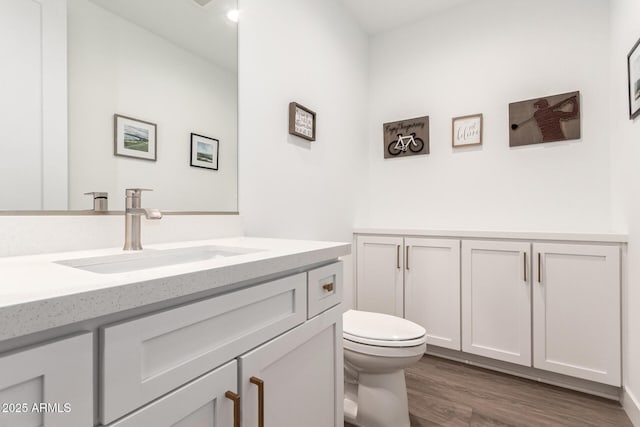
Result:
[631,407]
[564,381]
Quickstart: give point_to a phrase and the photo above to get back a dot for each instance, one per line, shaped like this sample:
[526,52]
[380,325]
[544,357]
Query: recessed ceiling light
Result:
[233,15]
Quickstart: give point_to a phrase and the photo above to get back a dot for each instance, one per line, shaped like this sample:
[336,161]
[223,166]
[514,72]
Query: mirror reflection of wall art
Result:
[466,130]
[134,138]
[406,137]
[545,119]
[633,67]
[302,121]
[204,152]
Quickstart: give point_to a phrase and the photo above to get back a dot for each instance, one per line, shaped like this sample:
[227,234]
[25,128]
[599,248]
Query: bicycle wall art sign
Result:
[406,137]
[546,119]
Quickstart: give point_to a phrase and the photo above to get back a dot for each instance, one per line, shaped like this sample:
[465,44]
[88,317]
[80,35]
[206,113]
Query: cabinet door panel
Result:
[59,374]
[496,300]
[379,275]
[432,289]
[302,372]
[576,301]
[201,403]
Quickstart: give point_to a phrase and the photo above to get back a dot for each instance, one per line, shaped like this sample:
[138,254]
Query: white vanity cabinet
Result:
[576,310]
[496,300]
[413,277]
[49,385]
[157,369]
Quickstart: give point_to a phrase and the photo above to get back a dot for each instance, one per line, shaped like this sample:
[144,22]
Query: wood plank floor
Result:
[447,393]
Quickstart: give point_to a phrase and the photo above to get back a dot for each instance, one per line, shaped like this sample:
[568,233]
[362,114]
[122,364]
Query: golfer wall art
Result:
[545,119]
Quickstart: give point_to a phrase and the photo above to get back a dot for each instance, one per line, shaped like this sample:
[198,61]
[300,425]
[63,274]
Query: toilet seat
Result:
[381,330]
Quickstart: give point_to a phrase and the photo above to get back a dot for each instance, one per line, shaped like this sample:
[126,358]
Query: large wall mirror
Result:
[70,66]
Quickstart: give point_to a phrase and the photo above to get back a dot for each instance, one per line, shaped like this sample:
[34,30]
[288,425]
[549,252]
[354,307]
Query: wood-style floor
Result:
[447,393]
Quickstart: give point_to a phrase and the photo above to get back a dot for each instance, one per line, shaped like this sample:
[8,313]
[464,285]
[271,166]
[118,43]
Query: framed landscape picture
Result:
[134,138]
[204,152]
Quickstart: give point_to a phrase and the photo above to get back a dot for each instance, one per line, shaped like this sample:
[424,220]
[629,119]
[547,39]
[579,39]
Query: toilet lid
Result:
[381,329]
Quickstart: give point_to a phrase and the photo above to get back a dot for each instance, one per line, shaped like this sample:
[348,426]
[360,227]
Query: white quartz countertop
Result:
[501,234]
[37,294]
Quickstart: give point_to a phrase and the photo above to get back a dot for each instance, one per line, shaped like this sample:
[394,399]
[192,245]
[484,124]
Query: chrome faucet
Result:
[133,212]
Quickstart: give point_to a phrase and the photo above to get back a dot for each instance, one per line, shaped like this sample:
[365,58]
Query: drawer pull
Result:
[236,407]
[328,287]
[257,381]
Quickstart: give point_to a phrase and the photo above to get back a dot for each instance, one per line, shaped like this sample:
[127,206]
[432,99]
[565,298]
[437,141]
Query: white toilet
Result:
[377,349]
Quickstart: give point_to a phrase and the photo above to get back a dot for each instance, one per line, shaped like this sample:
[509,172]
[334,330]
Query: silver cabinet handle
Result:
[539,268]
[525,266]
[407,260]
[398,257]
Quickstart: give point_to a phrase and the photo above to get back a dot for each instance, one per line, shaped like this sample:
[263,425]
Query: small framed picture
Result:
[134,138]
[633,66]
[466,130]
[302,122]
[204,152]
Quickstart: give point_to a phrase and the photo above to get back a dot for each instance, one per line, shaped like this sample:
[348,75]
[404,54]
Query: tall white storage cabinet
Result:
[380,265]
[415,278]
[576,310]
[432,288]
[496,300]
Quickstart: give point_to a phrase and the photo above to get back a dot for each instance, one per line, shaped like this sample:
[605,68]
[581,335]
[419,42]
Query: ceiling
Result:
[203,30]
[377,16]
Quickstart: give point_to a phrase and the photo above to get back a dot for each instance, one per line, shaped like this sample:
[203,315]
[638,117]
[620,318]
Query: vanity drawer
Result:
[146,358]
[324,288]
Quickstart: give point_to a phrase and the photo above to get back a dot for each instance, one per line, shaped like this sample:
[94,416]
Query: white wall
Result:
[477,58]
[311,52]
[118,67]
[33,117]
[625,187]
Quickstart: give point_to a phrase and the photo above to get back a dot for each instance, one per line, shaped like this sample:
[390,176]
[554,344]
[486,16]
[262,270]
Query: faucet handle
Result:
[135,192]
[100,200]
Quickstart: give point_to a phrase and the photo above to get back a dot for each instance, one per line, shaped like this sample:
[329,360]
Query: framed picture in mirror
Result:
[134,138]
[204,152]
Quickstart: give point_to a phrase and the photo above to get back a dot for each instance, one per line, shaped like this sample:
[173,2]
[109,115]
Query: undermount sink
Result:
[152,258]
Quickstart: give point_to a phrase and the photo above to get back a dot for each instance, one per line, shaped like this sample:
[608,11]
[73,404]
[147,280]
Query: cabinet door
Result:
[302,375]
[379,285]
[496,300]
[201,403]
[576,310]
[48,386]
[432,288]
